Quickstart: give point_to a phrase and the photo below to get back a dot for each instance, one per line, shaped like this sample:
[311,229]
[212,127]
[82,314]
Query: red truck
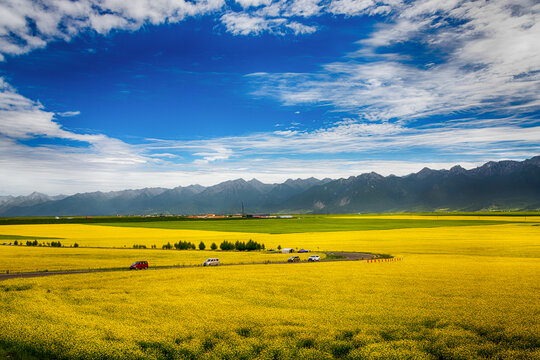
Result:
[139,265]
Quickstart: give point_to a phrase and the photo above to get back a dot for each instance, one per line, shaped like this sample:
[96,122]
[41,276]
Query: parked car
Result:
[139,265]
[303,251]
[294,259]
[314,258]
[211,262]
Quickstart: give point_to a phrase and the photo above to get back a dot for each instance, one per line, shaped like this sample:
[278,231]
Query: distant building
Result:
[287,250]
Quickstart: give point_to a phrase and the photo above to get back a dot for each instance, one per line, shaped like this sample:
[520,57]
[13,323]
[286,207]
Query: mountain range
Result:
[503,185]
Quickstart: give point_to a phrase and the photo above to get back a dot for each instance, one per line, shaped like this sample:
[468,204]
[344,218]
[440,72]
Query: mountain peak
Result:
[503,184]
[457,170]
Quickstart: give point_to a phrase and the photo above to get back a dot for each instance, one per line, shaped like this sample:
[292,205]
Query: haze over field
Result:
[505,185]
[107,95]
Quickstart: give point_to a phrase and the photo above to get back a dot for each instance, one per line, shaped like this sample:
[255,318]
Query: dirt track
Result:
[348,256]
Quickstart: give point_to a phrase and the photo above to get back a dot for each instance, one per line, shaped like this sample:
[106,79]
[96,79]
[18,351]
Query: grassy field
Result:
[461,292]
[506,239]
[322,224]
[29,259]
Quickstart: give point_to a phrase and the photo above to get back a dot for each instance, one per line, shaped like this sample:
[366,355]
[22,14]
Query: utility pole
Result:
[243,212]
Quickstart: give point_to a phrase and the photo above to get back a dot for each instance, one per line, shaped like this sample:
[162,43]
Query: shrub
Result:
[167,246]
[184,245]
[213,246]
[75,245]
[226,245]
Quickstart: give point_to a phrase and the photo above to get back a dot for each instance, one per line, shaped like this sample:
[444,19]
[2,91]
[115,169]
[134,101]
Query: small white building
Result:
[287,250]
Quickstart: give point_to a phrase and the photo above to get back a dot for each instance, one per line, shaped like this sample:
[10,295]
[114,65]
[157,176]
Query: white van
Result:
[211,262]
[314,258]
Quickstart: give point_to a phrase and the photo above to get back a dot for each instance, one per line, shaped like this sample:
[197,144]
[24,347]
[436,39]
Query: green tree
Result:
[279,247]
[202,246]
[213,246]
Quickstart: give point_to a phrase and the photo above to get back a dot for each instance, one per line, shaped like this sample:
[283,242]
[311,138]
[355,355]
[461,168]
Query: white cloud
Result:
[367,139]
[246,24]
[68,113]
[253,3]
[491,63]
[218,153]
[304,8]
[300,29]
[361,7]
[22,119]
[26,25]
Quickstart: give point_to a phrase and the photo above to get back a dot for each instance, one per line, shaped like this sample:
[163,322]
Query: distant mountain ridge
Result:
[503,185]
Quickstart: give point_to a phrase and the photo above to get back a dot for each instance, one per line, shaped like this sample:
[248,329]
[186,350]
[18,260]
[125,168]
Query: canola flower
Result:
[498,240]
[15,259]
[425,307]
[460,293]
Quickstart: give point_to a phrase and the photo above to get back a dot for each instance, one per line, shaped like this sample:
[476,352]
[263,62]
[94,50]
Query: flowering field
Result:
[506,239]
[425,307]
[464,292]
[29,259]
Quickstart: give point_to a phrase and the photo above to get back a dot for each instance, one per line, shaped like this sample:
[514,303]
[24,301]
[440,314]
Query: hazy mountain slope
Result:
[508,185]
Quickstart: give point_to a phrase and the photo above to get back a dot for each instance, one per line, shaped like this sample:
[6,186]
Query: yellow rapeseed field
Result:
[499,240]
[111,236]
[28,259]
[425,307]
[468,292]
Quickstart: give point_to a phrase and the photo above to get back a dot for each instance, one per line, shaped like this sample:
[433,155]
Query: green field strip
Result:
[304,225]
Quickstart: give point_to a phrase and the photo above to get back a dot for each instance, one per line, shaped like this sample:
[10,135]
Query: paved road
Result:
[347,256]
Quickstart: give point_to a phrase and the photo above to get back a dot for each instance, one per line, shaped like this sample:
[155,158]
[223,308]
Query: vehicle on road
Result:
[294,259]
[314,258]
[211,262]
[303,251]
[139,265]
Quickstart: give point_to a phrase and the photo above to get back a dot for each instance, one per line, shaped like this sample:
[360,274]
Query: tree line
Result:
[225,246]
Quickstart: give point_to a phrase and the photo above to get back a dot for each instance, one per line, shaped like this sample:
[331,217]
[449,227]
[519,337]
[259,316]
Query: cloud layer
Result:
[488,62]
[483,72]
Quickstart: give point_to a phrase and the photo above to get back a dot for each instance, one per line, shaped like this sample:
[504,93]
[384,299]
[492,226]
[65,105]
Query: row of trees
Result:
[241,245]
[36,243]
[181,245]
[225,245]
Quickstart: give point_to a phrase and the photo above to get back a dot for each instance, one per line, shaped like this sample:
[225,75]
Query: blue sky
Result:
[109,95]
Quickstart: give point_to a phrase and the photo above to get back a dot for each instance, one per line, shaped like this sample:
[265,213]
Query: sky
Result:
[102,95]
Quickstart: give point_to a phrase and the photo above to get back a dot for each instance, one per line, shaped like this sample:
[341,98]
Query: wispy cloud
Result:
[365,139]
[26,25]
[247,24]
[490,64]
[486,75]
[68,113]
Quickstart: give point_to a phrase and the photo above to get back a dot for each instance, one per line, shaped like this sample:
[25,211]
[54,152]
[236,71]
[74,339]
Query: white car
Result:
[211,262]
[314,258]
